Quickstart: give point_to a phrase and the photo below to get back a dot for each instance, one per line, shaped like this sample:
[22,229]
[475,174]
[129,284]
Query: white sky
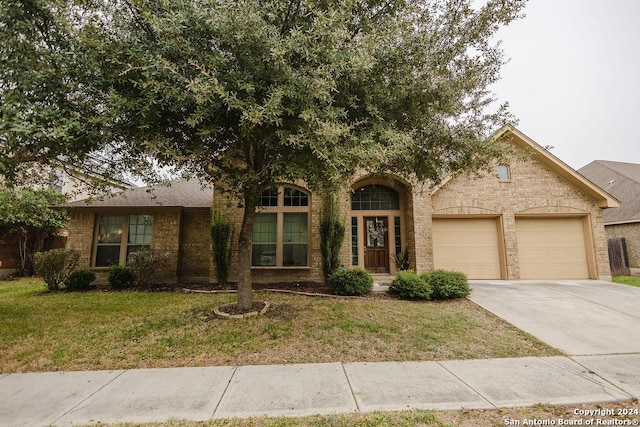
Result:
[573,80]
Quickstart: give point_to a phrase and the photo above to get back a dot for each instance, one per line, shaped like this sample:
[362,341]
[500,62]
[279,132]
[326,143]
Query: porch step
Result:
[381,282]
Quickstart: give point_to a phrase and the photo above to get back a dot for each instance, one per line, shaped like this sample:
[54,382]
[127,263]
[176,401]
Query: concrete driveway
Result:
[579,317]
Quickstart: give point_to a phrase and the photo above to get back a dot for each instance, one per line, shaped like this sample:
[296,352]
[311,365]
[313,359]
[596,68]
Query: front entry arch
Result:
[377,226]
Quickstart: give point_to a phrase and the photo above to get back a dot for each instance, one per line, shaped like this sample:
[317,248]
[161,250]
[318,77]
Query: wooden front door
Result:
[376,240]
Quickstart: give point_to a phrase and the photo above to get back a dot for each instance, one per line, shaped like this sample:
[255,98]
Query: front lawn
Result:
[44,331]
[628,280]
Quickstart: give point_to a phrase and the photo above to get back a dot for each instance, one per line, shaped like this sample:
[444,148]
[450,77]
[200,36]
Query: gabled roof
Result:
[622,180]
[183,193]
[539,153]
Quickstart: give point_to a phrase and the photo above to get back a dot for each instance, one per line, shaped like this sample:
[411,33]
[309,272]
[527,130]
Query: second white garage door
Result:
[552,248]
[469,245]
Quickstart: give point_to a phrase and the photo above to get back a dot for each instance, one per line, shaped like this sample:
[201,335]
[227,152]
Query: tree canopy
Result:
[31,216]
[251,93]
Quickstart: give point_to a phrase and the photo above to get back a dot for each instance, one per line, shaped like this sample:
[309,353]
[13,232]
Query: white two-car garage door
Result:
[552,248]
[469,245]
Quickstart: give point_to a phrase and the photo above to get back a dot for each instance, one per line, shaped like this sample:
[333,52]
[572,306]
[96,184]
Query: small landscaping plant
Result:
[402,260]
[447,284]
[145,266]
[222,241]
[79,280]
[55,266]
[354,281]
[120,277]
[408,285]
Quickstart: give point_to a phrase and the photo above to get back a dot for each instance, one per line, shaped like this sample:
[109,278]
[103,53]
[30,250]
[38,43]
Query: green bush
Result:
[79,279]
[120,277]
[145,266]
[408,285]
[447,284]
[355,281]
[55,266]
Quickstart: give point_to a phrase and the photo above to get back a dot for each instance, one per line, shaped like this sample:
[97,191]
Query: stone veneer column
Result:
[511,245]
[418,217]
[601,247]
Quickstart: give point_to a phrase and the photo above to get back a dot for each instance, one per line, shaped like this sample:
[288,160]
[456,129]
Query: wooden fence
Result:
[618,258]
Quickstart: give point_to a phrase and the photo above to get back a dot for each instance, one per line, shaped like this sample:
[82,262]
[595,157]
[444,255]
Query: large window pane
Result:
[293,197]
[263,250]
[110,229]
[375,197]
[269,197]
[294,255]
[107,255]
[140,229]
[294,237]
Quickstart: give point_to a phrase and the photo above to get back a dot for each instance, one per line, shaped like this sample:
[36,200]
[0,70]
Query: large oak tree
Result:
[249,93]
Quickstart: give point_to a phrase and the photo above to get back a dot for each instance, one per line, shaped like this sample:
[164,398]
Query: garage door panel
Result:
[551,248]
[469,245]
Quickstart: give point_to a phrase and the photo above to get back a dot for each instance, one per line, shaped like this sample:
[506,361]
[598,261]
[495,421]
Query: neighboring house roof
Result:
[544,156]
[183,193]
[622,180]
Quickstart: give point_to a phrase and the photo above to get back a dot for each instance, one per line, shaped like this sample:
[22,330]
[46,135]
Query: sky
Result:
[573,78]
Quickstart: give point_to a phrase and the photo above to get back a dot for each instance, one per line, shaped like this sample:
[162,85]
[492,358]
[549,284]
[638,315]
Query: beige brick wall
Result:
[631,233]
[533,189]
[81,228]
[196,258]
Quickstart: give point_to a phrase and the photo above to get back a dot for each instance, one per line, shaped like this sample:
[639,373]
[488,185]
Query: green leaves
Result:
[27,208]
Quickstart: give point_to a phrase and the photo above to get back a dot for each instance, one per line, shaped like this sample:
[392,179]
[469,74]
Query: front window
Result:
[281,229]
[375,198]
[118,236]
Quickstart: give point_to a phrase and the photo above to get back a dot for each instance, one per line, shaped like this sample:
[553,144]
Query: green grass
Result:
[44,331]
[628,280]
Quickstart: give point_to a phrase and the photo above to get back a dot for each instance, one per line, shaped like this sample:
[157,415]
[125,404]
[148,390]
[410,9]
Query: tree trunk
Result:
[245,291]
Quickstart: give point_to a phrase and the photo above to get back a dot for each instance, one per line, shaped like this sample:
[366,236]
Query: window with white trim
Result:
[118,236]
[281,229]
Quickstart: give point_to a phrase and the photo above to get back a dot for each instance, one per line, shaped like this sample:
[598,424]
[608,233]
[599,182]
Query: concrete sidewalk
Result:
[197,394]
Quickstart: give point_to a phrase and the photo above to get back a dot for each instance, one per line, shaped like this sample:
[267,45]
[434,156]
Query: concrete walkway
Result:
[198,394]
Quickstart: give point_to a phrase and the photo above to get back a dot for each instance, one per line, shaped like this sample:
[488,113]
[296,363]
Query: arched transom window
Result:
[375,197]
[280,230]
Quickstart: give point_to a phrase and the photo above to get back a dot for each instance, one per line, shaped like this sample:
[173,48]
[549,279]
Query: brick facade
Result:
[534,189]
[539,186]
[631,233]
[182,234]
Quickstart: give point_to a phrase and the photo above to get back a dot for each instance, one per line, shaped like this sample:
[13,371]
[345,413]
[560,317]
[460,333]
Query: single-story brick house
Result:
[534,218]
[622,180]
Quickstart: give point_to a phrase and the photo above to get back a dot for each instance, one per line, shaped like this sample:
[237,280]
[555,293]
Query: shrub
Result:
[145,265]
[332,231]
[402,260]
[355,281]
[79,280]
[448,284]
[120,277]
[55,266]
[222,240]
[408,285]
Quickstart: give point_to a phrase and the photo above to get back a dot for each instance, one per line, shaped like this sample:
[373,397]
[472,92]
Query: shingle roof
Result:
[622,181]
[183,193]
